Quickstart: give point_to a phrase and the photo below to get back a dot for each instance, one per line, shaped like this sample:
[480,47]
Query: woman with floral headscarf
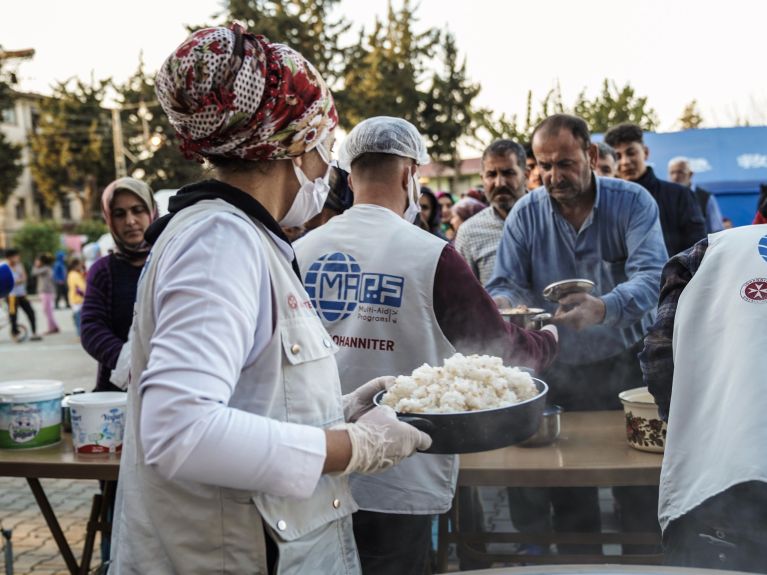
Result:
[238,441]
[128,208]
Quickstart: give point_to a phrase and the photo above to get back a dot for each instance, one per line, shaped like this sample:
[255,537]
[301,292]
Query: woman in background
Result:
[128,207]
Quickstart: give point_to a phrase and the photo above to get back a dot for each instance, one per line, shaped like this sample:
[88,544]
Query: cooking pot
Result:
[482,430]
[548,432]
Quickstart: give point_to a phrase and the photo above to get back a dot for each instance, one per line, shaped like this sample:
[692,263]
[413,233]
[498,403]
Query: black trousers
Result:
[61,293]
[728,531]
[589,387]
[393,544]
[16,302]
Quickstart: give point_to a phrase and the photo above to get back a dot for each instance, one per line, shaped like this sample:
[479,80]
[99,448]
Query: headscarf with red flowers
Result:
[230,93]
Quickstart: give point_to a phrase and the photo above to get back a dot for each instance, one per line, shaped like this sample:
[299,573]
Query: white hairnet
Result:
[383,135]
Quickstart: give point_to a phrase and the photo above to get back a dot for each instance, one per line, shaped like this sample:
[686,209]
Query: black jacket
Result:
[681,220]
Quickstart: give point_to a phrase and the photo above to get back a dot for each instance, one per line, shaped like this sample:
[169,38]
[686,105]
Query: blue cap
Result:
[6,279]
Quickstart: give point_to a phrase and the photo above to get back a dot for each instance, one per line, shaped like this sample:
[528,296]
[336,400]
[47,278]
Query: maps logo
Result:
[337,285]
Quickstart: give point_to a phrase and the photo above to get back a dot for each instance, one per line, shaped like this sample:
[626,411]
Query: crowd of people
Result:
[253,324]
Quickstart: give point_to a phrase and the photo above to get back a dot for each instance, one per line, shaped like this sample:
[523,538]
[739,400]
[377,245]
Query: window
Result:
[21,209]
[66,209]
[9,116]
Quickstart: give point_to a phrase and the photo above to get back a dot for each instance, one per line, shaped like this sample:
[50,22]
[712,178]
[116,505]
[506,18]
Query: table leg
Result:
[53,524]
[98,521]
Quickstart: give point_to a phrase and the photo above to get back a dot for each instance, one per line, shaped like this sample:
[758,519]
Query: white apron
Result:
[370,275]
[167,527]
[716,432]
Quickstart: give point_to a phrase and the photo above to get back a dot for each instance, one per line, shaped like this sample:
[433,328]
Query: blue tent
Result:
[729,162]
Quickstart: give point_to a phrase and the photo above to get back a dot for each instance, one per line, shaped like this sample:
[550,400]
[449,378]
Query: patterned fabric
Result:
[657,359]
[477,241]
[230,93]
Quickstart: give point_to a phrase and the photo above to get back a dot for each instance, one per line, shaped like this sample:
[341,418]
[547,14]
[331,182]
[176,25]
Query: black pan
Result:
[472,431]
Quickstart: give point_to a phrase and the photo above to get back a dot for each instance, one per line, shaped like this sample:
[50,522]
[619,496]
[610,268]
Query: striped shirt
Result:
[477,241]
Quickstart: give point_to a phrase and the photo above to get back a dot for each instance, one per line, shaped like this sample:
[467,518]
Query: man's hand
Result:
[579,311]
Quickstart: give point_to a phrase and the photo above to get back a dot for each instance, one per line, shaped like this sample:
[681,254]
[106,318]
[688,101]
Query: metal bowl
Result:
[548,431]
[521,317]
[557,290]
[483,430]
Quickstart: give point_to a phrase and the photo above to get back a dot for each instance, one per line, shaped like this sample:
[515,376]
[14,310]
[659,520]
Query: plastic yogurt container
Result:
[98,421]
[30,413]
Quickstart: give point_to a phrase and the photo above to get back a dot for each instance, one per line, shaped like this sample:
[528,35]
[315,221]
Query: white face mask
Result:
[413,208]
[311,196]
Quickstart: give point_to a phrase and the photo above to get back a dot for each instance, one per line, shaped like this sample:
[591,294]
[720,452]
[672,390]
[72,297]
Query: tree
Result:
[446,116]
[496,127]
[615,106]
[72,146]
[305,25]
[35,238]
[690,117]
[10,168]
[382,74]
[10,154]
[149,139]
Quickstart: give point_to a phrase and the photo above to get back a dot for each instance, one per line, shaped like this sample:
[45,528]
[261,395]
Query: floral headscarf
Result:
[145,194]
[230,93]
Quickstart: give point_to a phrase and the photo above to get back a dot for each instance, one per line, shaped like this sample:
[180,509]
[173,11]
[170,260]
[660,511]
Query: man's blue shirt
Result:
[619,247]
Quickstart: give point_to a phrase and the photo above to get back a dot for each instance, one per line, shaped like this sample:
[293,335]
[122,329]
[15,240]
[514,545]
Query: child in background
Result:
[76,285]
[43,271]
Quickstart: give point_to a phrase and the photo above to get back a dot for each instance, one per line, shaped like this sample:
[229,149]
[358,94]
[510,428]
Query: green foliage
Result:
[690,117]
[614,106]
[35,238]
[72,145]
[384,70]
[149,139]
[10,168]
[304,25]
[94,229]
[446,115]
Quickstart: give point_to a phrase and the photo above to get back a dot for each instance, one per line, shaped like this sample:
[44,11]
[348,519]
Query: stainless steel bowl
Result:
[548,430]
[556,291]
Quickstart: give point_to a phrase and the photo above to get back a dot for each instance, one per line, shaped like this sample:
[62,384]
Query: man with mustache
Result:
[579,225]
[504,175]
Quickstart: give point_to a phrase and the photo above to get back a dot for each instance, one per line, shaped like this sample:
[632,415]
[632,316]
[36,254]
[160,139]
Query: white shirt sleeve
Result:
[213,316]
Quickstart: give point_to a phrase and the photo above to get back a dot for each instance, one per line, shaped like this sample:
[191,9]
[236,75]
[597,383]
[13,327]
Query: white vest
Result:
[717,432]
[370,275]
[166,527]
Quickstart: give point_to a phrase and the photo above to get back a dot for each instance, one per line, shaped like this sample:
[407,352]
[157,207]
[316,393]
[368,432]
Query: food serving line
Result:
[591,451]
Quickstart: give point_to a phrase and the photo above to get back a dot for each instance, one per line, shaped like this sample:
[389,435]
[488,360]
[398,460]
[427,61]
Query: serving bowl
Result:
[645,430]
[481,430]
[557,290]
[548,430]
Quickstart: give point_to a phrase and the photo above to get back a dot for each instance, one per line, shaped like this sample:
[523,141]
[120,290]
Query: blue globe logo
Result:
[332,283]
[763,247]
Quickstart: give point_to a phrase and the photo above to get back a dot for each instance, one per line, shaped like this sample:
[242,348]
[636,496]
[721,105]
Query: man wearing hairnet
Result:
[393,297]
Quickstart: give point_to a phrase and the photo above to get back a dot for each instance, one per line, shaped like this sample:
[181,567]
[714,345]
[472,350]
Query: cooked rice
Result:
[464,383]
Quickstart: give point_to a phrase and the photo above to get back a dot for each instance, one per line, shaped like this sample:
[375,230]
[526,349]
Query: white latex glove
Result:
[360,401]
[380,441]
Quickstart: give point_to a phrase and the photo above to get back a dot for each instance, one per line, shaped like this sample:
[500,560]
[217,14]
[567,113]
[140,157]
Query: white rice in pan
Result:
[464,383]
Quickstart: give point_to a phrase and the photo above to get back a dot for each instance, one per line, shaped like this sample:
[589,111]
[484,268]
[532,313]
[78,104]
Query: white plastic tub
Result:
[30,413]
[98,421]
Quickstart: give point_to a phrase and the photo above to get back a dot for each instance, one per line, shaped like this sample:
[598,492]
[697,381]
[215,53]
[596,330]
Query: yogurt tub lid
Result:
[98,399]
[21,391]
